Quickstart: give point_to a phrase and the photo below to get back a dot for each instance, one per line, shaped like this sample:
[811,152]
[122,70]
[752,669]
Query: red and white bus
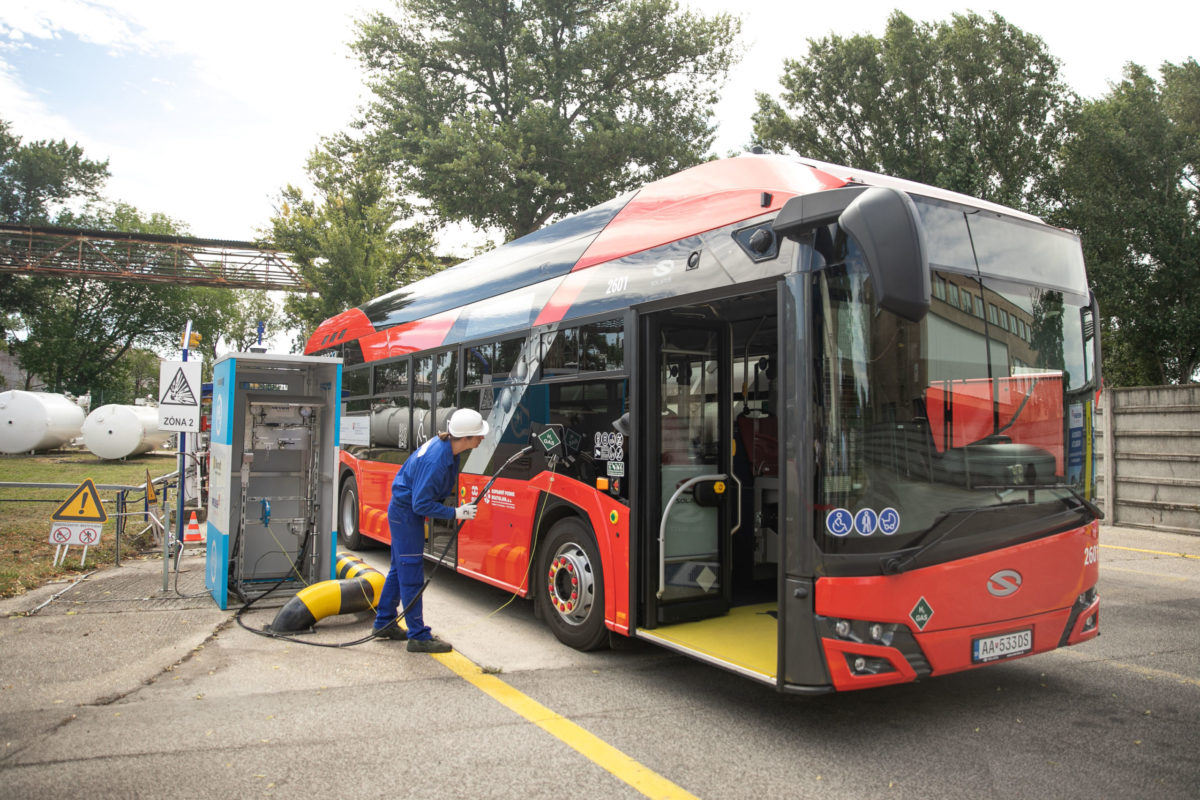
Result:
[824,428]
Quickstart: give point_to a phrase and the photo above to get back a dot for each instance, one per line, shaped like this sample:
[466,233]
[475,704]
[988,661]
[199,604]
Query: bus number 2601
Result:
[617,285]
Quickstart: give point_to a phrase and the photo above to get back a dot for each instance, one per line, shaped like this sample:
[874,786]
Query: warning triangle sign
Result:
[82,506]
[151,491]
[179,392]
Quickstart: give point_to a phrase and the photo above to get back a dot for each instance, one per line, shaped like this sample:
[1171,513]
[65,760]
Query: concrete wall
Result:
[1150,436]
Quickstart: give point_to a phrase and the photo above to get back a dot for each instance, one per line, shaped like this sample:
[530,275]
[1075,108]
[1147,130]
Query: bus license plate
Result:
[1005,645]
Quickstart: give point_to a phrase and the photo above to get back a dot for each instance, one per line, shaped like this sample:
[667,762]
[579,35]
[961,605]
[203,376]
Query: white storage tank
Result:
[31,421]
[115,431]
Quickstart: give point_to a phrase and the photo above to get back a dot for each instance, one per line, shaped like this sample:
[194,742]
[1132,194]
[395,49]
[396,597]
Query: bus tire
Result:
[348,530]
[571,587]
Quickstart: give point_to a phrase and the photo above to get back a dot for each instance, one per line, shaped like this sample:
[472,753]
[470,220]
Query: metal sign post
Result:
[179,410]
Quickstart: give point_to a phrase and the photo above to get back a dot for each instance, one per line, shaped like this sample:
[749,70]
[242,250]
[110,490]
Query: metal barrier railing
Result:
[121,502]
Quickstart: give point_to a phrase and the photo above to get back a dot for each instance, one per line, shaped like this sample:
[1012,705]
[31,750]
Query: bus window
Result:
[356,382]
[508,356]
[602,346]
[446,382]
[391,378]
[560,352]
[595,449]
[477,364]
[422,400]
[390,429]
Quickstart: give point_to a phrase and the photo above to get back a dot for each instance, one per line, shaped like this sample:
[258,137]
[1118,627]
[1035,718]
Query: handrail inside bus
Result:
[662,526]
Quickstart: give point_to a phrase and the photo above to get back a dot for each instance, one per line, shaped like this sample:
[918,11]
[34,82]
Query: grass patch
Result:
[26,554]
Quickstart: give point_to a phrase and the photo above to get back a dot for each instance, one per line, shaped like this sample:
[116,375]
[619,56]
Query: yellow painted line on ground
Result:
[1146,672]
[641,778]
[1152,552]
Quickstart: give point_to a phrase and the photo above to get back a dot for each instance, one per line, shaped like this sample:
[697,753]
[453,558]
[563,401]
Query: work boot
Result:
[430,645]
[392,631]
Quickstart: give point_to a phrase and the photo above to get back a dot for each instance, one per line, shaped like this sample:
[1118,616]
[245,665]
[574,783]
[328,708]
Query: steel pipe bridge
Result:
[146,258]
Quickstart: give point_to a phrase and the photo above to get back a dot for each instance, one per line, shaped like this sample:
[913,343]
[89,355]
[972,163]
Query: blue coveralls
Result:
[426,477]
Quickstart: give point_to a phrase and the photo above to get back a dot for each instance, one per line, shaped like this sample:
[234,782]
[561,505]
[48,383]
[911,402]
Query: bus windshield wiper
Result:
[896,562]
[1092,508]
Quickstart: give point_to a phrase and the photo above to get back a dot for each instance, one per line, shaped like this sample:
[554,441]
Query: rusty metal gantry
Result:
[146,258]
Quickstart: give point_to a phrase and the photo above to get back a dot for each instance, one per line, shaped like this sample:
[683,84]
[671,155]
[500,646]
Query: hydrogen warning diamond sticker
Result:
[921,614]
[549,439]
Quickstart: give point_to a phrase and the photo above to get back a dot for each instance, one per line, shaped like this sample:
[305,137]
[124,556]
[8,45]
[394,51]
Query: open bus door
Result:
[690,493]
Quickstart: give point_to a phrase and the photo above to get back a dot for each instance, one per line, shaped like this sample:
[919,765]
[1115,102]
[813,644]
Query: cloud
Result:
[94,23]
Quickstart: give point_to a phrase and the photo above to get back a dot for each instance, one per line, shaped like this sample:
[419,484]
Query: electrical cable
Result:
[403,612]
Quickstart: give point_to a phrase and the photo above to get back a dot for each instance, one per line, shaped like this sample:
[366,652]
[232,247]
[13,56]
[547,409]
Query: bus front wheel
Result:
[348,530]
[571,588]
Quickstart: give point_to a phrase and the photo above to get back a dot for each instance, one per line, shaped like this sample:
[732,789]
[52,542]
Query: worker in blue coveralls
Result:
[426,477]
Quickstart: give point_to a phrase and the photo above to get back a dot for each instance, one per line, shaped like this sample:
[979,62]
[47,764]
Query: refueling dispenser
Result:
[273,446]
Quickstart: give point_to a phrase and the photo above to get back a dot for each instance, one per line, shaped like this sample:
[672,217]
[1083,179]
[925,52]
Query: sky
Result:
[205,111]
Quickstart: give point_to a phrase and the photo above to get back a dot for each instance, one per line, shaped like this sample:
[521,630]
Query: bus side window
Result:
[422,401]
[446,386]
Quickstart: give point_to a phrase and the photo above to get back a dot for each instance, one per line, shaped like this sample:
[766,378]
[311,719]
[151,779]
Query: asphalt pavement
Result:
[111,687]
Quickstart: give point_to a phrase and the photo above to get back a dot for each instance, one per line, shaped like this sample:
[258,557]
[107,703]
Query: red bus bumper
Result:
[1010,603]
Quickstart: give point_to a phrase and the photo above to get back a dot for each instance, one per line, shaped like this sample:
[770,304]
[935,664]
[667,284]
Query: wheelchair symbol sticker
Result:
[866,521]
[839,522]
[889,521]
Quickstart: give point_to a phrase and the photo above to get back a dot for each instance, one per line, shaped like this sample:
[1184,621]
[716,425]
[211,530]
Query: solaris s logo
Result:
[1004,582]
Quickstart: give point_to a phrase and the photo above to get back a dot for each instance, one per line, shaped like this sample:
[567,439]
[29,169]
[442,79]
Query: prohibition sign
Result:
[61,535]
[88,536]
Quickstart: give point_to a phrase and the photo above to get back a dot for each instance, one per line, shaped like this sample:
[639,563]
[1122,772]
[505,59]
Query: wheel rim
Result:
[349,514]
[571,584]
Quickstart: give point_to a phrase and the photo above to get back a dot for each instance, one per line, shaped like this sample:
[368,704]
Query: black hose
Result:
[404,611]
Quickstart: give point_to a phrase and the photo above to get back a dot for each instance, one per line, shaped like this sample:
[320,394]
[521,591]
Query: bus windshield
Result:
[971,429]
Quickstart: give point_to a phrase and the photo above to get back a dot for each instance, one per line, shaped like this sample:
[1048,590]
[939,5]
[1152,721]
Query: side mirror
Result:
[887,228]
[886,225]
[1090,324]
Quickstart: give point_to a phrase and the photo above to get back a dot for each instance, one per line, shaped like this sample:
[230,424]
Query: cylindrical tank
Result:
[389,426]
[31,421]
[114,431]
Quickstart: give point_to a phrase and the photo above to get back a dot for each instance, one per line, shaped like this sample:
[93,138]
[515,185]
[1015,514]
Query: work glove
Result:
[466,511]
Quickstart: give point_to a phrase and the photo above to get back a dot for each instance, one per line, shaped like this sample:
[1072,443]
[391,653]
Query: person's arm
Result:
[427,492]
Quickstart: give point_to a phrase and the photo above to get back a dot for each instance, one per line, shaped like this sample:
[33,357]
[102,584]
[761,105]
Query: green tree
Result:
[37,180]
[510,113]
[132,377]
[1128,183]
[974,105]
[355,240]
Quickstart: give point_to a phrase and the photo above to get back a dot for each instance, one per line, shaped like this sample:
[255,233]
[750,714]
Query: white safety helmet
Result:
[466,422]
[621,425]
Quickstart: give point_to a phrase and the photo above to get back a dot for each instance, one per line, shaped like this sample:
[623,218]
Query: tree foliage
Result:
[1128,184]
[39,178]
[973,105]
[356,239]
[510,113]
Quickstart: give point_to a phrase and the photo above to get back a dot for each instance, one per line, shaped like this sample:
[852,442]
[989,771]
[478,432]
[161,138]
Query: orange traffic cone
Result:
[192,532]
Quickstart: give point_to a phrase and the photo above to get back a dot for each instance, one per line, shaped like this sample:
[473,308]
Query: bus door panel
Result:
[375,484]
[691,493]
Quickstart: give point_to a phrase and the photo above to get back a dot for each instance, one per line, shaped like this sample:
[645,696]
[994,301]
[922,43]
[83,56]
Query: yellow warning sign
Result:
[82,506]
[151,492]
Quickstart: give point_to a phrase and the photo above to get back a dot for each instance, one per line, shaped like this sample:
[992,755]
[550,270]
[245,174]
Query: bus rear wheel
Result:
[348,530]
[571,588]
